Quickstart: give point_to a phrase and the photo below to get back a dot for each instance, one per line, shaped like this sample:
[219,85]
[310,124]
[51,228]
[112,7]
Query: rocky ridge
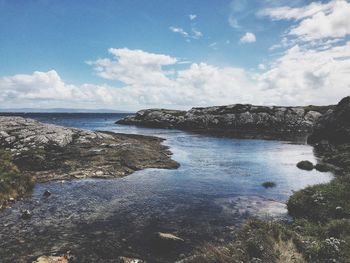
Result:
[234,119]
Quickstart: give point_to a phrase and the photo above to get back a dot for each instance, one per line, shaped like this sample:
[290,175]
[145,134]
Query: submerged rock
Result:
[169,237]
[46,193]
[26,214]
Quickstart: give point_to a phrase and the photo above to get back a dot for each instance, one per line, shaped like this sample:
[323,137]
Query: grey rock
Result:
[50,152]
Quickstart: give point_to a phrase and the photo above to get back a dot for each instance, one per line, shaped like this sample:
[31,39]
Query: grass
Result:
[268,184]
[257,241]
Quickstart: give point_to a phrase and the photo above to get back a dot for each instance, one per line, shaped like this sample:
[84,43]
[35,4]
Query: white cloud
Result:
[179,30]
[316,20]
[248,38]
[134,67]
[261,66]
[196,34]
[296,13]
[299,76]
[308,76]
[192,16]
[47,89]
[321,25]
[233,22]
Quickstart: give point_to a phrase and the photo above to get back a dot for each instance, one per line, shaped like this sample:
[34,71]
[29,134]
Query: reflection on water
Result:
[217,186]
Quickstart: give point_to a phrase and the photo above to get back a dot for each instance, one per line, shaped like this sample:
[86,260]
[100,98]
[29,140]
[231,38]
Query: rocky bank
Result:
[50,152]
[236,120]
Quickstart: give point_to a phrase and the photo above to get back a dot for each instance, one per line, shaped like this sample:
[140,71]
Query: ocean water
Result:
[216,188]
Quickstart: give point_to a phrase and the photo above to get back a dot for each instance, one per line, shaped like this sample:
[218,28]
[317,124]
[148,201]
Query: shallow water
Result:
[217,186]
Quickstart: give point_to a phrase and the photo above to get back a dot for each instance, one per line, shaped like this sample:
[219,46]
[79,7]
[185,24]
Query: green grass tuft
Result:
[268,184]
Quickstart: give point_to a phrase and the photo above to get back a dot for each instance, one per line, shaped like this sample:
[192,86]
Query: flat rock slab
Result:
[50,152]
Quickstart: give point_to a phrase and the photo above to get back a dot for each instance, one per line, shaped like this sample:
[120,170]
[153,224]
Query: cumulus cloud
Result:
[299,76]
[316,20]
[296,13]
[248,38]
[48,89]
[134,67]
[322,25]
[309,76]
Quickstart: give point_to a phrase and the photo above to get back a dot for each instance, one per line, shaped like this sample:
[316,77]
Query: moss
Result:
[305,165]
[268,184]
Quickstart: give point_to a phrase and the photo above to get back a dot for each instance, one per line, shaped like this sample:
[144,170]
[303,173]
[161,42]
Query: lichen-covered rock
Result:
[235,118]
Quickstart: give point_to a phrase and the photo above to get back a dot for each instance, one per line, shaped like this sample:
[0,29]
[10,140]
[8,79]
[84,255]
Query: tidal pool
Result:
[217,186]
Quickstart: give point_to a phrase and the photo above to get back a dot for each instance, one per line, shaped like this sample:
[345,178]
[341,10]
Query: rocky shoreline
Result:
[40,152]
[238,120]
[320,231]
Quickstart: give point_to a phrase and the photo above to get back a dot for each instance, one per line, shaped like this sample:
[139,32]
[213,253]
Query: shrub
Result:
[305,165]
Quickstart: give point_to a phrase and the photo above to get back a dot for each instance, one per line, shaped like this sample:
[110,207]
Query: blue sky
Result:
[227,39]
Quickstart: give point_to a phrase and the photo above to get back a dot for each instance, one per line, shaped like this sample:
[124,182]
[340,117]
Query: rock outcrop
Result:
[48,151]
[237,118]
[334,125]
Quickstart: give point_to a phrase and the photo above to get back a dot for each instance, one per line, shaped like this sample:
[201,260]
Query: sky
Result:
[134,54]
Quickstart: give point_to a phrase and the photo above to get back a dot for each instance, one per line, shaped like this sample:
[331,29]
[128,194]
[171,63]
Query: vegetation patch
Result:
[323,202]
[305,165]
[257,241]
[268,184]
[12,182]
[323,167]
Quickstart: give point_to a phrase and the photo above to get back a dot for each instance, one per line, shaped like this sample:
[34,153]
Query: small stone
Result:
[47,193]
[169,237]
